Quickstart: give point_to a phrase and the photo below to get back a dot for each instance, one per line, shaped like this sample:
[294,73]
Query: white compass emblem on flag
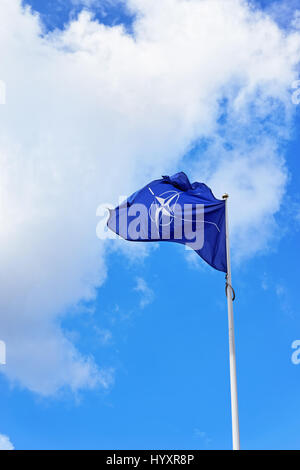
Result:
[162,210]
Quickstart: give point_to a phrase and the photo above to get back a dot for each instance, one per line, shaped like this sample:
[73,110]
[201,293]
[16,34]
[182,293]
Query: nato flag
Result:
[172,209]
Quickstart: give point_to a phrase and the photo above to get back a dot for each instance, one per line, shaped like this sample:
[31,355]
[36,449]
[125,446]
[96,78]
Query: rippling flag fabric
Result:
[175,210]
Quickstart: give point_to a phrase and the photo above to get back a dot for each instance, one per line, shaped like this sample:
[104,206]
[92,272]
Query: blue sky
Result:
[167,342]
[57,13]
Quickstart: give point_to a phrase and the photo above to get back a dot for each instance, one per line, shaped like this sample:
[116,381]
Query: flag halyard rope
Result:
[231,288]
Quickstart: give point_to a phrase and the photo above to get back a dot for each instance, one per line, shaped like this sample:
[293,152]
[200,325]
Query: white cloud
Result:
[202,436]
[284,12]
[92,113]
[104,335]
[147,294]
[256,180]
[88,3]
[265,282]
[5,443]
[92,4]
[283,295]
[296,19]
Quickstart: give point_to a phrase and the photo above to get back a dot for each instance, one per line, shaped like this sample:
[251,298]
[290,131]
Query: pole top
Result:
[225,196]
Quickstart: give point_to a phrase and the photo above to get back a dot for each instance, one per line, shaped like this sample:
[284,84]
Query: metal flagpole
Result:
[233,381]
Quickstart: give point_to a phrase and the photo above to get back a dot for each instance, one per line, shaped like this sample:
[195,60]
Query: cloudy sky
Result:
[117,346]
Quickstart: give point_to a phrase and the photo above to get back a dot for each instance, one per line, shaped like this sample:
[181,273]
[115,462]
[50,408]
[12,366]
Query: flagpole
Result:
[233,381]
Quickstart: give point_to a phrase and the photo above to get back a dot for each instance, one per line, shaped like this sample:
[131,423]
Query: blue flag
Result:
[172,209]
